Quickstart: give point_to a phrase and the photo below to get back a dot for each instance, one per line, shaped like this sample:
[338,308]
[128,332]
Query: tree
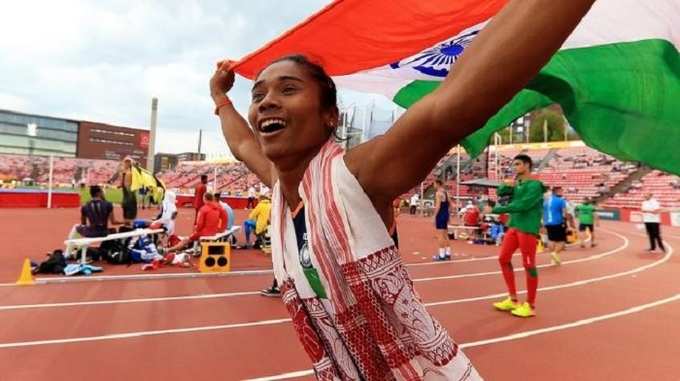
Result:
[555,124]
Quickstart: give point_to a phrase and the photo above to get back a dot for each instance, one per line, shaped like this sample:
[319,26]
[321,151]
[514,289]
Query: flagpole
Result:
[498,158]
[49,187]
[422,194]
[457,176]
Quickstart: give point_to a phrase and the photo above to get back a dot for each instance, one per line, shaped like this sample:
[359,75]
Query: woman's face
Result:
[286,113]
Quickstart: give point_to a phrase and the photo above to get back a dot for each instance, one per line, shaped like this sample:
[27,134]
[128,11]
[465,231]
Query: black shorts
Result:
[557,233]
[583,227]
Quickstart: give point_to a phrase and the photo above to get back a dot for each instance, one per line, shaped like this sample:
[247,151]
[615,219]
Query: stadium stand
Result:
[580,170]
[664,187]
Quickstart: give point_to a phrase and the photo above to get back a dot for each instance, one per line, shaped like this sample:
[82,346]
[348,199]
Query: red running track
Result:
[611,312]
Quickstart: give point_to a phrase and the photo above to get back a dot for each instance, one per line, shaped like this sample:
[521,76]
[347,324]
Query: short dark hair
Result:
[439,182]
[209,196]
[95,190]
[556,188]
[204,178]
[218,196]
[526,159]
[329,93]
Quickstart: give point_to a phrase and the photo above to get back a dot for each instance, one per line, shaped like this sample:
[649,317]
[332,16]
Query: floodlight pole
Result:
[49,187]
[151,151]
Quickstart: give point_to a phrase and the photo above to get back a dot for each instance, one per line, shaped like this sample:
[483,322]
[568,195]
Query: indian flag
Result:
[617,77]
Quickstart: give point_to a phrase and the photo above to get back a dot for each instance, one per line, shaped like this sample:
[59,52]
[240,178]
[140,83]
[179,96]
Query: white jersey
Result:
[649,206]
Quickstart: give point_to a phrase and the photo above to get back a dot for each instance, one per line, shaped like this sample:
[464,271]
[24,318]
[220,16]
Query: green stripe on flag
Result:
[623,99]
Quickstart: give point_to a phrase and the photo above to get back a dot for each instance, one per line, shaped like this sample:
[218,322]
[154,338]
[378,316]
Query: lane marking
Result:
[516,336]
[284,376]
[521,269]
[130,335]
[287,320]
[578,323]
[233,294]
[95,278]
[152,276]
[127,301]
[486,258]
[636,270]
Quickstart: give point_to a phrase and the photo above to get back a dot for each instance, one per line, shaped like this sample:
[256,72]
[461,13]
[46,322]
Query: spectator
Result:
[251,198]
[413,203]
[129,203]
[199,191]
[143,192]
[258,220]
[652,219]
[230,212]
[168,214]
[95,217]
[212,219]
[471,215]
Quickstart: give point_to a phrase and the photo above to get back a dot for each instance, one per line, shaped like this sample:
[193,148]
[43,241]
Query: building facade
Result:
[164,161]
[104,141]
[26,134]
[190,156]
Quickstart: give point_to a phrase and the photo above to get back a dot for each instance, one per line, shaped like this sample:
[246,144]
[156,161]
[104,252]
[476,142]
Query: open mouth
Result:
[269,126]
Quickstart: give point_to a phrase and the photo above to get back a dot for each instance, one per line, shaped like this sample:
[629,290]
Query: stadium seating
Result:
[664,187]
[581,171]
[66,171]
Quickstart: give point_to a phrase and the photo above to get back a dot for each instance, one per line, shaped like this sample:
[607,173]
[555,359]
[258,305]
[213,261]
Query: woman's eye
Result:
[257,97]
[289,89]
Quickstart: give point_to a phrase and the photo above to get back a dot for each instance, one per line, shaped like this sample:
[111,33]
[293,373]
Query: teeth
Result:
[269,122]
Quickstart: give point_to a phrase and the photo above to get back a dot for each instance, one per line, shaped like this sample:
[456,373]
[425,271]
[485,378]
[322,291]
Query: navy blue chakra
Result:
[436,61]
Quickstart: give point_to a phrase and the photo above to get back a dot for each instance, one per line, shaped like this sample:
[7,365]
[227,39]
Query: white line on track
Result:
[130,335]
[625,245]
[286,320]
[578,323]
[233,294]
[127,301]
[636,270]
[475,259]
[96,278]
[515,336]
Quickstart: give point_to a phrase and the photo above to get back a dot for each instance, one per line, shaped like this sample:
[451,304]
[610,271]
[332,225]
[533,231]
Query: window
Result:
[42,132]
[30,144]
[107,141]
[42,122]
[119,133]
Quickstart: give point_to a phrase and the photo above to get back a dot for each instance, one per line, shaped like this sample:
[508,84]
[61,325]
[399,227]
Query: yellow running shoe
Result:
[524,311]
[555,258]
[506,305]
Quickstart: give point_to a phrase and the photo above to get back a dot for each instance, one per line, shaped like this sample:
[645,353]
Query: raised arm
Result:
[498,64]
[240,138]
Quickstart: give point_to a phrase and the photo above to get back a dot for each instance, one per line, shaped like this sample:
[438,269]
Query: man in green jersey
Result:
[587,219]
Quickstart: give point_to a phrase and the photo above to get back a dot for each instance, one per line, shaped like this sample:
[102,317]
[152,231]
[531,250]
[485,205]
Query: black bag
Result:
[55,264]
[115,252]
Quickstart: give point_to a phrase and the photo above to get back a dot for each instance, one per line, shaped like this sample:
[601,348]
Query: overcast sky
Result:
[104,60]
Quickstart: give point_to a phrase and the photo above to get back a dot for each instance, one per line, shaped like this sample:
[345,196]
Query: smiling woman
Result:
[351,300]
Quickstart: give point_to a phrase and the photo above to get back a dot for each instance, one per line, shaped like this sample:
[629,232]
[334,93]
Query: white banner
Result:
[675,218]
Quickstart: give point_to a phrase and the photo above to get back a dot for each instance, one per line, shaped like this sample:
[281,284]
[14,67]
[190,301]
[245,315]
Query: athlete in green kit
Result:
[587,219]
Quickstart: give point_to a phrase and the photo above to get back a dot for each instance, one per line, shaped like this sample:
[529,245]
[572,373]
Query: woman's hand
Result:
[223,80]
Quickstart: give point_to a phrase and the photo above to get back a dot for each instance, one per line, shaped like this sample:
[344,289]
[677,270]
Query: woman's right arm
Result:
[240,138]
